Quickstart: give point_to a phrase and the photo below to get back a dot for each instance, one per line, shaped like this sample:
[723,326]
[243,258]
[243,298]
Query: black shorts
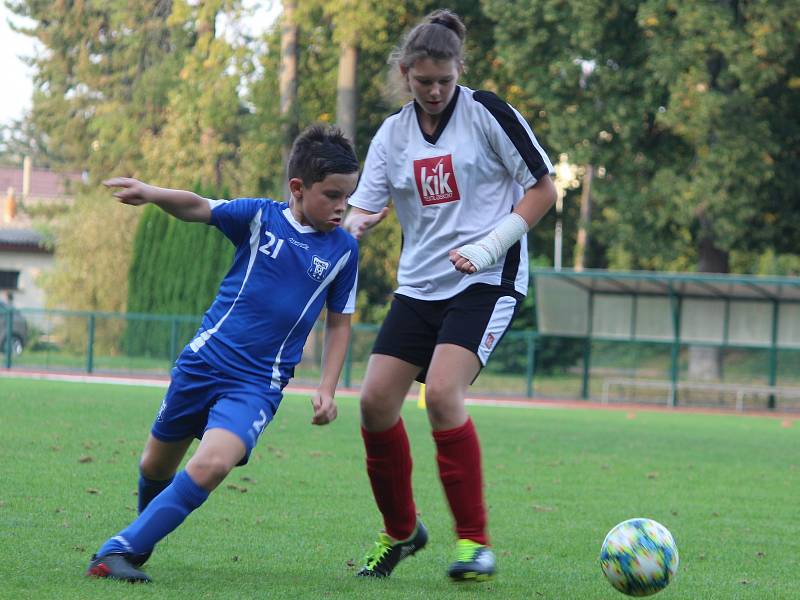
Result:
[475,319]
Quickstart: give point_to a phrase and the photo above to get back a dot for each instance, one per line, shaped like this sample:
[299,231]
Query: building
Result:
[24,251]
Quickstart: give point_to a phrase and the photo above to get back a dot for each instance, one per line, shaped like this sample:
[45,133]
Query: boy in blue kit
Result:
[290,261]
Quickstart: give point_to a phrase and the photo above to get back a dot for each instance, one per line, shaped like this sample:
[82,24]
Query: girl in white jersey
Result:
[468,179]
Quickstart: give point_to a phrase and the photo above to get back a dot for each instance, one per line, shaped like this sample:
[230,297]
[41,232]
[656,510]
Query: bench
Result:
[734,390]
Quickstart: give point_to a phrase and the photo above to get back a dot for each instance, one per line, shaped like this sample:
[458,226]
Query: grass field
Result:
[295,521]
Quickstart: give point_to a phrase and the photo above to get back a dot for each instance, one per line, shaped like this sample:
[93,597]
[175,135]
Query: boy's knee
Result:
[152,468]
[208,471]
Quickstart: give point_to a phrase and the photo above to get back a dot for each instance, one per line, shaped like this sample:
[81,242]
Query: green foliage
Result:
[689,111]
[690,108]
[88,276]
[130,88]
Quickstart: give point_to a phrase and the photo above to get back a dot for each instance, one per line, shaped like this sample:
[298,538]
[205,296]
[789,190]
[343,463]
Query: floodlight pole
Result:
[564,177]
[773,353]
[559,229]
[675,305]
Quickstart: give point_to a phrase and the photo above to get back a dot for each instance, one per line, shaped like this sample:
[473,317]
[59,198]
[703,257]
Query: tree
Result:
[688,111]
[19,139]
[205,117]
[134,87]
[287,77]
[99,283]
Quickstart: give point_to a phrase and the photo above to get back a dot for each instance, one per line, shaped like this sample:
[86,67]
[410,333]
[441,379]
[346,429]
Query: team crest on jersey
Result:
[318,268]
[436,180]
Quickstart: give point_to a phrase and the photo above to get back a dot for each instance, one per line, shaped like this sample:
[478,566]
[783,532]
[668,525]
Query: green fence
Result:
[140,345]
[523,364]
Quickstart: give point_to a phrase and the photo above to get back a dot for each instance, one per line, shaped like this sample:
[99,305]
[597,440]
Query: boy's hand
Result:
[133,191]
[358,223]
[324,408]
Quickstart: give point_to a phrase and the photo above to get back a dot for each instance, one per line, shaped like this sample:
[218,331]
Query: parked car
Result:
[19,329]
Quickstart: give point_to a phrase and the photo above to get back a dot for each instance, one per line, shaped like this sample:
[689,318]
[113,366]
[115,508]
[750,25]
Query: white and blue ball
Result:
[639,557]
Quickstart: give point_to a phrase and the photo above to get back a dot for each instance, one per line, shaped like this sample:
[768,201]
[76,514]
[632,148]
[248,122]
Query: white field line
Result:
[516,402]
[163,382]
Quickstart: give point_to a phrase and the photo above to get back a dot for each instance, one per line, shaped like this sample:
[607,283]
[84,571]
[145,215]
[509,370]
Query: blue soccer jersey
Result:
[282,275]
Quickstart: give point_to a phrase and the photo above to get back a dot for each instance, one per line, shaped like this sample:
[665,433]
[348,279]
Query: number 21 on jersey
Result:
[268,247]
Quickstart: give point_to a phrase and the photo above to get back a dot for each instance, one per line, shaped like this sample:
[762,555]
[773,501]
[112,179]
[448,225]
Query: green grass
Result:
[295,521]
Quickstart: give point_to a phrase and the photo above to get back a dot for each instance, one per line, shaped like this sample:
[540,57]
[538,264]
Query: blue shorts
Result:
[200,397]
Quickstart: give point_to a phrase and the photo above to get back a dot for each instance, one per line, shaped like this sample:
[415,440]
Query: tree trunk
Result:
[346,91]
[582,244]
[705,363]
[288,79]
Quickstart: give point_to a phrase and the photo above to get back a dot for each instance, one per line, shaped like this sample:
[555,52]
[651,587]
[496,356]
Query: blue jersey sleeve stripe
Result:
[212,204]
[276,373]
[255,232]
[350,307]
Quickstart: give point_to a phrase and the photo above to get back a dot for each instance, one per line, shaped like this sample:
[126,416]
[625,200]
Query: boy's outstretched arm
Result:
[359,221]
[182,204]
[334,350]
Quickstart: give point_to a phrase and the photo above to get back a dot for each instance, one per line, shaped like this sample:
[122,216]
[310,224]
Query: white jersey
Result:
[452,188]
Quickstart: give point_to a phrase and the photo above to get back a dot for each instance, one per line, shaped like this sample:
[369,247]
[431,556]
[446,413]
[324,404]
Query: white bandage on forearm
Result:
[486,251]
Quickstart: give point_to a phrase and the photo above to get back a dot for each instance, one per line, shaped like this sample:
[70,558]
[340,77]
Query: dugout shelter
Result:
[676,309]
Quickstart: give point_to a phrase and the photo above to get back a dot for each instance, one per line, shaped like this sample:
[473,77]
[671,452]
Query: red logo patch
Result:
[436,180]
[489,341]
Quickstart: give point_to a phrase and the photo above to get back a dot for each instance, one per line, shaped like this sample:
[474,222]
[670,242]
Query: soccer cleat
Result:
[474,562]
[383,558]
[137,560]
[115,566]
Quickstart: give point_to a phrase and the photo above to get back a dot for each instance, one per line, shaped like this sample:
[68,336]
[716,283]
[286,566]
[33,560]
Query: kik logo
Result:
[436,180]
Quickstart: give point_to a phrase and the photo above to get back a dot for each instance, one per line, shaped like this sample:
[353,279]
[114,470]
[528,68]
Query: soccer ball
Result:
[639,557]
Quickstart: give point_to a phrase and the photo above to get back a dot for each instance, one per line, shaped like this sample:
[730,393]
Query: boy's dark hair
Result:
[319,151]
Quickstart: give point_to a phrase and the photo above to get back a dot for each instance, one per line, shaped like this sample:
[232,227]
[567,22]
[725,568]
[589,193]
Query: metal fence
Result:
[140,344]
[523,364]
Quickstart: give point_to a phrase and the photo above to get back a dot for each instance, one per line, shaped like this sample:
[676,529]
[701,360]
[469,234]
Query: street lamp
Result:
[566,178]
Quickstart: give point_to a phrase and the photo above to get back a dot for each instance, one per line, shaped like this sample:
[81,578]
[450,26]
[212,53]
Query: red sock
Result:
[389,470]
[459,458]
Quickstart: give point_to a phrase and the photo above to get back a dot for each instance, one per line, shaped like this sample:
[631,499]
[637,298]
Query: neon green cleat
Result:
[383,558]
[474,562]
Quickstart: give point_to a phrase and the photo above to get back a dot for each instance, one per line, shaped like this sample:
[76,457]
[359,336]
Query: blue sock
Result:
[149,489]
[162,515]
